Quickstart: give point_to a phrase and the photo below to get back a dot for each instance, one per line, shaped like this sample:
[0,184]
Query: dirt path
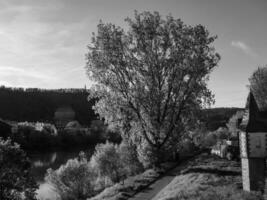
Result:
[157,186]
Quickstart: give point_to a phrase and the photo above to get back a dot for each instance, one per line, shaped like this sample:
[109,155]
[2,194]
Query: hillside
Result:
[214,118]
[35,104]
[18,104]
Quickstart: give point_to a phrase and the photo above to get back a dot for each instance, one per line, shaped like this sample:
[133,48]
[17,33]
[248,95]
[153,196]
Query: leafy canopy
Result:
[258,82]
[15,179]
[151,79]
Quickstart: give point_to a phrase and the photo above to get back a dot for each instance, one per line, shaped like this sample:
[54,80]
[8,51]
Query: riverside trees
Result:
[152,79]
[15,179]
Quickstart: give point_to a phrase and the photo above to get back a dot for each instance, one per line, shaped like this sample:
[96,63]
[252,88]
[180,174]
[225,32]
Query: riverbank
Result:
[132,186]
[203,177]
[41,161]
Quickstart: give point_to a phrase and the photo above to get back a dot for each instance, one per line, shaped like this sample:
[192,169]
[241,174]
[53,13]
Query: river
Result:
[41,161]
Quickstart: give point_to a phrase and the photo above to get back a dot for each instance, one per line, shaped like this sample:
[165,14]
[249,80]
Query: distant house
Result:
[5,129]
[63,115]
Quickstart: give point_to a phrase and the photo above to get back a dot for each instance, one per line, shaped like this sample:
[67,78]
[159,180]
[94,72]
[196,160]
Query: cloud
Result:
[244,47]
[8,71]
[32,33]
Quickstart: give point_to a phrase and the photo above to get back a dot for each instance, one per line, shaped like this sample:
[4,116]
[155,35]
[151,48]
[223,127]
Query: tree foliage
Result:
[258,82]
[74,180]
[15,180]
[80,178]
[106,160]
[151,79]
[33,104]
[129,158]
[234,122]
[116,161]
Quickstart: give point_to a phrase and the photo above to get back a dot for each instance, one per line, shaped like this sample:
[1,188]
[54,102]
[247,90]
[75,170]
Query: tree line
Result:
[34,104]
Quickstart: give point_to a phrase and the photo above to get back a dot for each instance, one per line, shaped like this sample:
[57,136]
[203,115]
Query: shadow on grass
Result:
[218,172]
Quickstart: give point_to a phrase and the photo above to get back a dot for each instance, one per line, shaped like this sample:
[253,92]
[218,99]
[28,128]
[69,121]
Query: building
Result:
[253,145]
[63,115]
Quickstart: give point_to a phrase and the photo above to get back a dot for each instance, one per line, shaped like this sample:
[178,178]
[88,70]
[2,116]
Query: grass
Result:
[132,185]
[208,178]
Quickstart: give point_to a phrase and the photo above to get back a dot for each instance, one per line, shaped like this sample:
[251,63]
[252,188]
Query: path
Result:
[156,187]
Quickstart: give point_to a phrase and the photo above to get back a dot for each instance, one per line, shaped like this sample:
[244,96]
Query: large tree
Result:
[151,79]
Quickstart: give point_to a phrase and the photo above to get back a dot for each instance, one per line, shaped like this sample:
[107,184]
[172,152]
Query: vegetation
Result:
[73,181]
[44,136]
[234,122]
[15,180]
[208,178]
[132,185]
[80,178]
[151,80]
[33,104]
[215,118]
[258,81]
[151,87]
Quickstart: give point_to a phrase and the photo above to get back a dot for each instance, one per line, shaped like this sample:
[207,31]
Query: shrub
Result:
[80,179]
[106,160]
[74,180]
[15,180]
[210,140]
[129,158]
[116,161]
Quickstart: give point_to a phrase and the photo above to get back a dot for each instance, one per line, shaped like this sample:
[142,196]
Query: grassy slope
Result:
[132,185]
[221,180]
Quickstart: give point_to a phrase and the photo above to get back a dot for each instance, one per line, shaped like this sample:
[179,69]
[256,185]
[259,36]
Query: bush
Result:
[73,181]
[210,140]
[80,179]
[129,158]
[106,160]
[116,162]
[35,135]
[15,180]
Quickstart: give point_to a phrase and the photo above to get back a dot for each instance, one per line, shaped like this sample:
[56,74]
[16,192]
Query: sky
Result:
[43,43]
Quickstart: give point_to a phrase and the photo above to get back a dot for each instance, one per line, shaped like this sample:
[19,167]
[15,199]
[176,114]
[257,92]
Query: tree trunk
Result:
[158,157]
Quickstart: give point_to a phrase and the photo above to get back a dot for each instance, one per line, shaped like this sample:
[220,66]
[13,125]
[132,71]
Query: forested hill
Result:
[18,104]
[34,104]
[217,117]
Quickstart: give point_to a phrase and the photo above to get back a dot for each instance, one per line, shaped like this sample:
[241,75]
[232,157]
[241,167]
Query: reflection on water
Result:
[41,161]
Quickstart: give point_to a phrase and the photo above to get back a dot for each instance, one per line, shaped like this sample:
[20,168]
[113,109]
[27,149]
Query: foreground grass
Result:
[132,185]
[208,178]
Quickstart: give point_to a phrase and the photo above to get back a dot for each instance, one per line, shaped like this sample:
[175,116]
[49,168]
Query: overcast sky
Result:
[43,42]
